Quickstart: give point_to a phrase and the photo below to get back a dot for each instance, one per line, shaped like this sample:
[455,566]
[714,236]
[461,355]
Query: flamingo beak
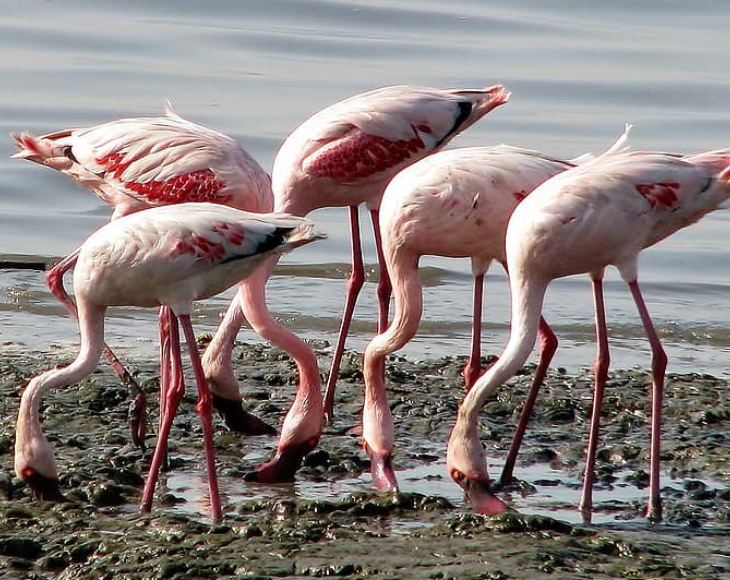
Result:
[43,488]
[238,420]
[381,469]
[481,498]
[284,465]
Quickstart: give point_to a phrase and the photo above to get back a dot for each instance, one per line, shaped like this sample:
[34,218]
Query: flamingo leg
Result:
[599,378]
[385,288]
[169,381]
[170,396]
[204,408]
[658,367]
[473,367]
[138,405]
[548,346]
[354,285]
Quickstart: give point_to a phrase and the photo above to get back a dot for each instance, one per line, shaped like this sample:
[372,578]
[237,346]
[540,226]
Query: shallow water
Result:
[553,494]
[255,70]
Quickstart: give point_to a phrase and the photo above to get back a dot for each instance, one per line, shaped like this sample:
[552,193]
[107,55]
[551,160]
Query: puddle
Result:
[554,493]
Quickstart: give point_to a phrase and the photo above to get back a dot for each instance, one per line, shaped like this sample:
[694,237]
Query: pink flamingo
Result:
[454,203]
[598,214]
[346,154]
[342,156]
[167,256]
[138,163]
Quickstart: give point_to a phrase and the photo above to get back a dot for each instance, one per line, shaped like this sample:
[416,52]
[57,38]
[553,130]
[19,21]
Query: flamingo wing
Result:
[148,161]
[375,132]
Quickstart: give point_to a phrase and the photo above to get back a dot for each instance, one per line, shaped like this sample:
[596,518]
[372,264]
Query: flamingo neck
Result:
[307,407]
[407,312]
[527,300]
[31,447]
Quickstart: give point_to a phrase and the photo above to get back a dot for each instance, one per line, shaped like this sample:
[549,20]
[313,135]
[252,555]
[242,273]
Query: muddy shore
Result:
[362,534]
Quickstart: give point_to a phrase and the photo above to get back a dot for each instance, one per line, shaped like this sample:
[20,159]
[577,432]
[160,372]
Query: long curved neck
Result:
[307,406]
[527,298]
[30,443]
[407,311]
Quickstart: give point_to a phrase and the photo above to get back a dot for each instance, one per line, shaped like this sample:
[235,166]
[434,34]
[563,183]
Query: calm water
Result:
[578,72]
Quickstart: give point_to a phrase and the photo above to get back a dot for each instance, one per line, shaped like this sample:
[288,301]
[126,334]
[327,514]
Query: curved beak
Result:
[43,488]
[239,420]
[381,469]
[137,417]
[481,498]
[284,465]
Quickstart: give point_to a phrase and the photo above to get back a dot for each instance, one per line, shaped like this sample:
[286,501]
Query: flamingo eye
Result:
[457,475]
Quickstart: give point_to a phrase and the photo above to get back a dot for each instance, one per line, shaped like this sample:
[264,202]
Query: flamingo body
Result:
[135,163]
[167,256]
[346,154]
[598,214]
[457,204]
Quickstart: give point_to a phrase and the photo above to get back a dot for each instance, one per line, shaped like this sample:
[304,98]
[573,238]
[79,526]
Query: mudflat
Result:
[347,530]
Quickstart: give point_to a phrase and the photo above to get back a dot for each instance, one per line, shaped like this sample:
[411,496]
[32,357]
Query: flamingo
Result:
[602,213]
[345,155]
[138,163]
[171,256]
[453,203]
[341,156]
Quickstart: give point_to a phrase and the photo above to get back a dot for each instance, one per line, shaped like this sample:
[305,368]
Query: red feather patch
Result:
[659,195]
[197,186]
[360,155]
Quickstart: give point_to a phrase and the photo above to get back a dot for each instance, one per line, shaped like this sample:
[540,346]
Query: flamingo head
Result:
[43,488]
[300,431]
[466,463]
[381,468]
[34,463]
[239,420]
[282,467]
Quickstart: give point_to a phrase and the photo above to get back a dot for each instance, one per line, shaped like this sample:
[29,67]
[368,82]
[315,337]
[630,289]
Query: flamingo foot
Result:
[137,417]
[284,465]
[43,488]
[481,499]
[381,469]
[239,420]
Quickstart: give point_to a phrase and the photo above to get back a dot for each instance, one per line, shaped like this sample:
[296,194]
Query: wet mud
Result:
[351,531]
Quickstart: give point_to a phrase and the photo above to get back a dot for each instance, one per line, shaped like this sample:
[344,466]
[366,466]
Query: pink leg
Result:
[169,381]
[204,408]
[385,287]
[170,396]
[548,346]
[473,367]
[599,379]
[354,285]
[658,367]
[138,405]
